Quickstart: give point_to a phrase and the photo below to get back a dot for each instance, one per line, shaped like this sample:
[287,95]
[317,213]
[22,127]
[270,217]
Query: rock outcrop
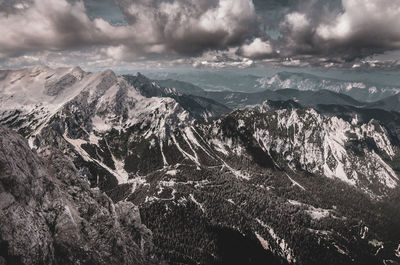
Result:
[49,214]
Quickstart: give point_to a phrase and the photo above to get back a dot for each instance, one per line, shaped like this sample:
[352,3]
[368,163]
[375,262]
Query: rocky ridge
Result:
[246,174]
[49,214]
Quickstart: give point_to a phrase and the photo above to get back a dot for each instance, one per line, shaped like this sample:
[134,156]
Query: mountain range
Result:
[365,91]
[367,87]
[279,176]
[309,96]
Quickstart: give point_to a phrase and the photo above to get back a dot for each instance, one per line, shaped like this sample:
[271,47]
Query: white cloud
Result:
[361,28]
[257,49]
[368,19]
[222,59]
[297,21]
[46,25]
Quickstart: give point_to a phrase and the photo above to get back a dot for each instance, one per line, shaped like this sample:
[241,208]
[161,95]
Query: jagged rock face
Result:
[146,87]
[302,139]
[49,214]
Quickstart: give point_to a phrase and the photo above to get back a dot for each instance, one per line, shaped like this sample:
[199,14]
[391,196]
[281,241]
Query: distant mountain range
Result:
[391,103]
[277,177]
[213,80]
[362,91]
[306,96]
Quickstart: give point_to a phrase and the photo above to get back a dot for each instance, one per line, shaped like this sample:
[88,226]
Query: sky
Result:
[125,34]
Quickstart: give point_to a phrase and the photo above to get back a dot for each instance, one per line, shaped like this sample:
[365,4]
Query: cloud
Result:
[221,59]
[190,27]
[222,32]
[357,29]
[297,22]
[47,25]
[163,28]
[371,24]
[257,49]
[298,34]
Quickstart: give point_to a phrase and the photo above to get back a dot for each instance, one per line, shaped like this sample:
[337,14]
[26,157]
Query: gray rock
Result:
[49,214]
[56,87]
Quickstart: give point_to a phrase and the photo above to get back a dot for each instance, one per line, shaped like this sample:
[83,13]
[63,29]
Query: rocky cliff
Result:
[49,214]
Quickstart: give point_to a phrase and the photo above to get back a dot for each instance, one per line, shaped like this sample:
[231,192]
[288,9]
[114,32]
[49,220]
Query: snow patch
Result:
[171,172]
[197,203]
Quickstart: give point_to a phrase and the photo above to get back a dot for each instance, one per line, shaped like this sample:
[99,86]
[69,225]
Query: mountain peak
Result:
[144,85]
[108,72]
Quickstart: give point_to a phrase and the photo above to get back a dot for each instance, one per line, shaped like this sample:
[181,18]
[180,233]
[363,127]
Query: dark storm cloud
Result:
[190,27]
[356,28]
[48,25]
[185,27]
[128,30]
